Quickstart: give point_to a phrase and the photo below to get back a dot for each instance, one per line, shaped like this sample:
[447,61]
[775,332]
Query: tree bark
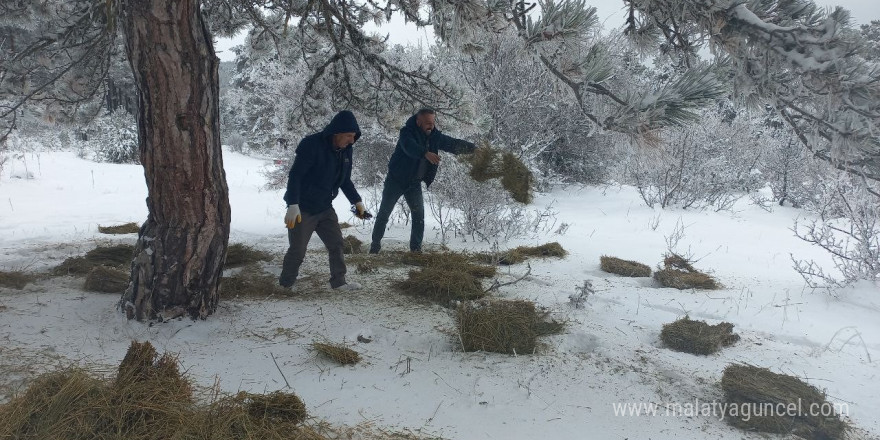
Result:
[181,247]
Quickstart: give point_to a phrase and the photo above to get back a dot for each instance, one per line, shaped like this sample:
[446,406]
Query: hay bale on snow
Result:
[678,273]
[499,326]
[351,245]
[441,286]
[15,279]
[697,337]
[448,261]
[127,228]
[118,256]
[758,390]
[337,352]
[627,268]
[106,280]
[277,407]
[239,254]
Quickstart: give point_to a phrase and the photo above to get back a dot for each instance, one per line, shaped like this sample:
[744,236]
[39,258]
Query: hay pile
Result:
[238,255]
[625,268]
[678,273]
[522,253]
[351,245]
[117,256]
[148,399]
[697,337]
[251,282]
[441,286]
[448,261]
[106,280]
[487,163]
[15,279]
[337,352]
[498,326]
[759,400]
[127,228]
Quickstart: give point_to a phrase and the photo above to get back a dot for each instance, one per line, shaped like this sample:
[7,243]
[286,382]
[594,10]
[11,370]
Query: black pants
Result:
[391,193]
[326,224]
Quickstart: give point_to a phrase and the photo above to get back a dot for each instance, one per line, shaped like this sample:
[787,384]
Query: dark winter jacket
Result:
[409,155]
[320,170]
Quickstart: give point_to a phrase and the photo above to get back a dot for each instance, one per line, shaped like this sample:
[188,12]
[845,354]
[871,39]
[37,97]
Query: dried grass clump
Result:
[351,245]
[697,337]
[522,253]
[15,279]
[118,256]
[238,255]
[251,282]
[448,261]
[106,280]
[148,399]
[127,228]
[441,286]
[498,326]
[678,273]
[344,225]
[367,267]
[488,163]
[627,268]
[337,352]
[758,389]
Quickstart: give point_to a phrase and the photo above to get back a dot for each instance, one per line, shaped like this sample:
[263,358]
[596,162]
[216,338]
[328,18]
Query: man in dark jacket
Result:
[415,160]
[322,166]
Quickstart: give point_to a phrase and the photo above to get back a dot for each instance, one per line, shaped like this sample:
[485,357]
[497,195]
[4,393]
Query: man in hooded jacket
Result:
[415,160]
[321,168]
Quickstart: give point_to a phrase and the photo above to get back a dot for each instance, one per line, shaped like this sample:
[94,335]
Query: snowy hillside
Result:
[415,375]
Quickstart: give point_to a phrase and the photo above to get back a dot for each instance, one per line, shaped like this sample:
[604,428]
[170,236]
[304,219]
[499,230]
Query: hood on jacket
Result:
[343,122]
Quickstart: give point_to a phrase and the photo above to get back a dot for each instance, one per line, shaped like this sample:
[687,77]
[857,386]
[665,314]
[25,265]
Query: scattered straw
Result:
[441,286]
[697,337]
[351,245]
[367,267]
[16,279]
[625,268]
[448,261]
[498,326]
[106,280]
[148,399]
[238,255]
[678,273]
[522,253]
[251,282]
[127,228]
[337,352]
[747,387]
[118,256]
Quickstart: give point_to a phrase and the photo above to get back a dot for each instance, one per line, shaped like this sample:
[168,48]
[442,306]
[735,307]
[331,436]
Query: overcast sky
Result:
[611,15]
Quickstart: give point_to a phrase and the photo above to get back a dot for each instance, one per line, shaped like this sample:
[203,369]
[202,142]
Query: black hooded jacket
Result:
[320,170]
[409,155]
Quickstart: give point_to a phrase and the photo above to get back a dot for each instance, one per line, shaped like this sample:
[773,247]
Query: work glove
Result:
[292,217]
[360,211]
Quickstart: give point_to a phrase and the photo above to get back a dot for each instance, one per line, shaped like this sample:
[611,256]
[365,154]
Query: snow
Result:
[414,375]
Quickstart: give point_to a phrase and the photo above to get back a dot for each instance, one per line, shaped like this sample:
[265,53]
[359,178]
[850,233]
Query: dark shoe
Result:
[374,249]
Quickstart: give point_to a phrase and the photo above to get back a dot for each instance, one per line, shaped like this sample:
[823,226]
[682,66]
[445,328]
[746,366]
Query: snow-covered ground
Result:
[414,375]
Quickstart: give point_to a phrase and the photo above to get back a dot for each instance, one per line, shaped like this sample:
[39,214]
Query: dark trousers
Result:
[391,193]
[326,224]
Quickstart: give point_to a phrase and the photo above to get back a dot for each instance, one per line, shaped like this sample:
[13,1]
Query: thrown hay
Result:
[337,352]
[627,268]
[148,399]
[251,282]
[498,326]
[515,176]
[440,285]
[351,245]
[106,280]
[16,279]
[448,261]
[127,228]
[118,256]
[238,255]
[761,400]
[678,273]
[697,337]
[277,407]
[522,253]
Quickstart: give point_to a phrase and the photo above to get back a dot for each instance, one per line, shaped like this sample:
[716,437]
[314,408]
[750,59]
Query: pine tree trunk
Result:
[181,247]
